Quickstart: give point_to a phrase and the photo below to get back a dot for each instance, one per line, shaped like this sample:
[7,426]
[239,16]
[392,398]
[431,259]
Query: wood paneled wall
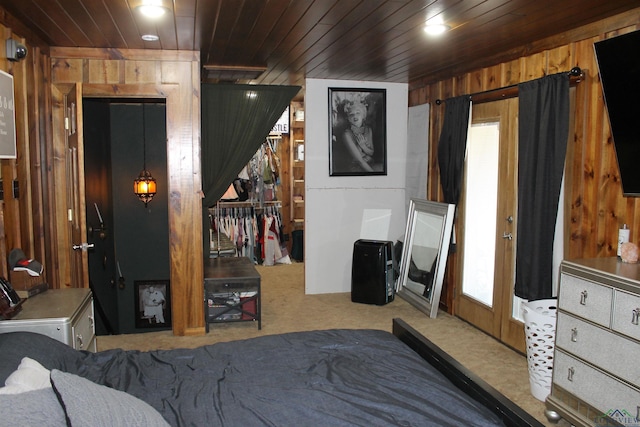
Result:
[594,206]
[174,76]
[24,219]
[32,220]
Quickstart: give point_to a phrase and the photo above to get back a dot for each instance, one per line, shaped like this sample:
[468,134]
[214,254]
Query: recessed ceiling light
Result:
[150,37]
[436,29]
[152,8]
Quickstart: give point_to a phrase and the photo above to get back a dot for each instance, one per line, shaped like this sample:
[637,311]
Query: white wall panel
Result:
[336,206]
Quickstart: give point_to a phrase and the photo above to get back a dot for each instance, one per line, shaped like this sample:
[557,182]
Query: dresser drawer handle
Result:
[574,335]
[583,297]
[634,316]
[79,339]
[570,374]
[91,321]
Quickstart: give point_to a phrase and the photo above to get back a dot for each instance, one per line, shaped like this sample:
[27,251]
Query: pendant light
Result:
[144,186]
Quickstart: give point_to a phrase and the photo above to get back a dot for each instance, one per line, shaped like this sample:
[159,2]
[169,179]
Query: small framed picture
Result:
[357,132]
[153,303]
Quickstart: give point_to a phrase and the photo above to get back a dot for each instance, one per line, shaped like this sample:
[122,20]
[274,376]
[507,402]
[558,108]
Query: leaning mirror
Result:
[424,253]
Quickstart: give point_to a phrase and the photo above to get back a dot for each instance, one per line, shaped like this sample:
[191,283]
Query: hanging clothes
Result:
[273,252]
[256,232]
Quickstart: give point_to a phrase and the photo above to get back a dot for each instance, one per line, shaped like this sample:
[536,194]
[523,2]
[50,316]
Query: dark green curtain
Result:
[236,119]
[542,147]
[452,146]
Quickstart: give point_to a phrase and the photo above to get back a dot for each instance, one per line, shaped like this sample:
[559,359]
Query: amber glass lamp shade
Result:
[144,186]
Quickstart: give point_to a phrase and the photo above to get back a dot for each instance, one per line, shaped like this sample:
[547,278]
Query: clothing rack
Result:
[575,76]
[237,209]
[272,141]
[272,207]
[249,204]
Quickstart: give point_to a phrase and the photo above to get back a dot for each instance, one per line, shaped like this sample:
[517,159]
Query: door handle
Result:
[82,246]
[506,235]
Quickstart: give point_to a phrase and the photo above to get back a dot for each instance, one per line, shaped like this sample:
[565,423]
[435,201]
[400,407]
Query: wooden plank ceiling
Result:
[375,40]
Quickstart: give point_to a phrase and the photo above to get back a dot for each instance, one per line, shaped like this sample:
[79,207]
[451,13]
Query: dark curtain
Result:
[542,135]
[452,149]
[236,119]
[453,145]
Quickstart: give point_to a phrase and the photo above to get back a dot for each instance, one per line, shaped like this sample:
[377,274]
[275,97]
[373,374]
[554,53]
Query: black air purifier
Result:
[372,272]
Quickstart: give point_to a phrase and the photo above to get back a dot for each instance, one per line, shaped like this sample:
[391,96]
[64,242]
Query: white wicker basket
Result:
[540,331]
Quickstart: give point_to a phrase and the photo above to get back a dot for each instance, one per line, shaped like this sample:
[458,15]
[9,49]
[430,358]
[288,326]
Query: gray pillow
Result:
[32,409]
[89,404]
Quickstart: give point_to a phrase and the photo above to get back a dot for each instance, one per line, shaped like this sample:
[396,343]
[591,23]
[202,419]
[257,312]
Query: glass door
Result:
[487,219]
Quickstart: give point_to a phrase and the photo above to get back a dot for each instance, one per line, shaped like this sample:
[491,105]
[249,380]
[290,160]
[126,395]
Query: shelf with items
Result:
[297,192]
[297,198]
[297,176]
[298,151]
[228,305]
[296,182]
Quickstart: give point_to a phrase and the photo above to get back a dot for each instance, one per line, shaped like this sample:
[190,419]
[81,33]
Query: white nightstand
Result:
[63,314]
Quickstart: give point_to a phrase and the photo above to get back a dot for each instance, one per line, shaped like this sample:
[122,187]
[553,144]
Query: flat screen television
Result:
[619,64]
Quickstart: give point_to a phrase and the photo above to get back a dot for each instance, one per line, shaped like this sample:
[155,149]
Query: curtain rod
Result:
[575,76]
[249,204]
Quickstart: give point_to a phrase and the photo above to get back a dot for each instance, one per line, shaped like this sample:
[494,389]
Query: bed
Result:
[338,377]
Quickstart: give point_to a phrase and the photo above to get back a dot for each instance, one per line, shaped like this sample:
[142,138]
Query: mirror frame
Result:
[446,212]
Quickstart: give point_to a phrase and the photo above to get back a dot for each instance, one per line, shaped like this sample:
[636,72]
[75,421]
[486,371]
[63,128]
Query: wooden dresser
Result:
[596,374]
[63,314]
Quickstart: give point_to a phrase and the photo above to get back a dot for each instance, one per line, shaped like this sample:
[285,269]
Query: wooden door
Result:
[68,177]
[488,224]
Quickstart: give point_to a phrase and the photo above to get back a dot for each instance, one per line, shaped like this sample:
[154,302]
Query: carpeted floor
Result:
[285,308]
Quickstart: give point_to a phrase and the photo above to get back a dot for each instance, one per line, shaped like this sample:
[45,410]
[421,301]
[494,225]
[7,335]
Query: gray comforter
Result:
[319,378]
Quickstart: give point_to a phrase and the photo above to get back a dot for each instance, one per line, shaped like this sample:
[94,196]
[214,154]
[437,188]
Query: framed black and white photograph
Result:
[357,132]
[153,303]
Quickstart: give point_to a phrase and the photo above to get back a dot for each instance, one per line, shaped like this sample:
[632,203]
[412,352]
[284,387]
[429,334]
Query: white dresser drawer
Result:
[593,386]
[598,346]
[626,314]
[585,299]
[83,328]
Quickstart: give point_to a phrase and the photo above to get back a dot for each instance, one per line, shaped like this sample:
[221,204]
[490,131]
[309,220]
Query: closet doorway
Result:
[487,220]
[131,240]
